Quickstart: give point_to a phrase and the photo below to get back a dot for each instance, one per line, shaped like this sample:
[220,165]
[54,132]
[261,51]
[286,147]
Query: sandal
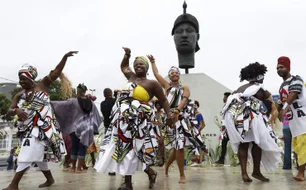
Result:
[124,186]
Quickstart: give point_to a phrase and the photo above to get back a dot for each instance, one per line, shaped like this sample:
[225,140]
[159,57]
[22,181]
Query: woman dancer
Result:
[182,134]
[130,141]
[246,124]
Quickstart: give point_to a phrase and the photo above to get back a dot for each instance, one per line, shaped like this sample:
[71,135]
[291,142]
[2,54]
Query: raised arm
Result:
[165,84]
[54,74]
[125,65]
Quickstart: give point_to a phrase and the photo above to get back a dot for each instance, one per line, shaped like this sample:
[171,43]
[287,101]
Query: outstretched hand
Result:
[71,53]
[151,58]
[127,51]
[170,120]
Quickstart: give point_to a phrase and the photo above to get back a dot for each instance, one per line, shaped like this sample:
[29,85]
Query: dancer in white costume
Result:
[185,132]
[248,126]
[38,130]
[130,141]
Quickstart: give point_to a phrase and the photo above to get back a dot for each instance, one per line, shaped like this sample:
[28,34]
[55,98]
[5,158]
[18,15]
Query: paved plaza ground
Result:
[210,178]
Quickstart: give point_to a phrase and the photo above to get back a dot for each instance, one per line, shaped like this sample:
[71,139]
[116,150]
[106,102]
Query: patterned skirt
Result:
[258,132]
[184,134]
[131,140]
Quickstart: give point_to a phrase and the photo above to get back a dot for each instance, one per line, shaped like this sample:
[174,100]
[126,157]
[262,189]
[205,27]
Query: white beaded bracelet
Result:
[285,106]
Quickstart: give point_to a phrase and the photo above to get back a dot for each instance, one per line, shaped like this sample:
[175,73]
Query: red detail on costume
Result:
[28,75]
[35,119]
[283,95]
[123,138]
[47,129]
[251,114]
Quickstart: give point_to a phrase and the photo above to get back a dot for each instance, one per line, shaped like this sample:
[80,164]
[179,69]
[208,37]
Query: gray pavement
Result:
[210,177]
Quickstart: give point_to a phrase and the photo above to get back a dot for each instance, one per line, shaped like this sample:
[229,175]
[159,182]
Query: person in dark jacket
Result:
[106,109]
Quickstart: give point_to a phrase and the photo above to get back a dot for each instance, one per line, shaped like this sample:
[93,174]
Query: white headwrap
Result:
[175,69]
[258,78]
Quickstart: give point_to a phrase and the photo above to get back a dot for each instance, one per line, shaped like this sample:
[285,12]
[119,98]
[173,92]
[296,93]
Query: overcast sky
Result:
[232,34]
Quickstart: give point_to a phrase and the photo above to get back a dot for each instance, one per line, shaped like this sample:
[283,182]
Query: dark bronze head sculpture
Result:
[186,35]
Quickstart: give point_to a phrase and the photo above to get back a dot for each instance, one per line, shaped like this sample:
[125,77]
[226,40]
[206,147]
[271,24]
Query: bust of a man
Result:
[186,35]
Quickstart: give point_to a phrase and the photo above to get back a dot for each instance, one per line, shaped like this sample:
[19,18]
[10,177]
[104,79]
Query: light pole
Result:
[92,90]
[1,88]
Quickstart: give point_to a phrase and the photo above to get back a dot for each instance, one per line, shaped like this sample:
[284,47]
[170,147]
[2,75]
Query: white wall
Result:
[209,93]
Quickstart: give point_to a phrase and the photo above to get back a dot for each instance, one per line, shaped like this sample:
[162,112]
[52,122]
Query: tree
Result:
[5,104]
[55,92]
[15,91]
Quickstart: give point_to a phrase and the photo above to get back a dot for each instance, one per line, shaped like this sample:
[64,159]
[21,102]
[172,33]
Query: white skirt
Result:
[31,150]
[131,163]
[260,135]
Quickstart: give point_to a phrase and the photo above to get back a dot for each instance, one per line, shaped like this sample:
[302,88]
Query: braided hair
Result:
[252,71]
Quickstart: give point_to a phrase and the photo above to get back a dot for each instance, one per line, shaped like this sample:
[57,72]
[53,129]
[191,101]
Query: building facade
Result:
[6,88]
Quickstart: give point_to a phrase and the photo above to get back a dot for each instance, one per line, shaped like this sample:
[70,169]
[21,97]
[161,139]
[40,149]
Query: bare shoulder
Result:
[153,82]
[185,87]
[19,94]
[132,77]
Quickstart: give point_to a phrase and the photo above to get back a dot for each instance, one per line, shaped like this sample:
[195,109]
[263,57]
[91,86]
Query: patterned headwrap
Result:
[175,69]
[28,71]
[143,59]
[81,88]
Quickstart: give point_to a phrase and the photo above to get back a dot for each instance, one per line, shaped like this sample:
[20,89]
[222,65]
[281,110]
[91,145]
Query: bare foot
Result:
[46,184]
[260,177]
[71,170]
[11,187]
[182,179]
[246,178]
[77,171]
[299,178]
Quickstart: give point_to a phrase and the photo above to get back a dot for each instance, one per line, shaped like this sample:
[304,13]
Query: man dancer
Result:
[225,138]
[293,104]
